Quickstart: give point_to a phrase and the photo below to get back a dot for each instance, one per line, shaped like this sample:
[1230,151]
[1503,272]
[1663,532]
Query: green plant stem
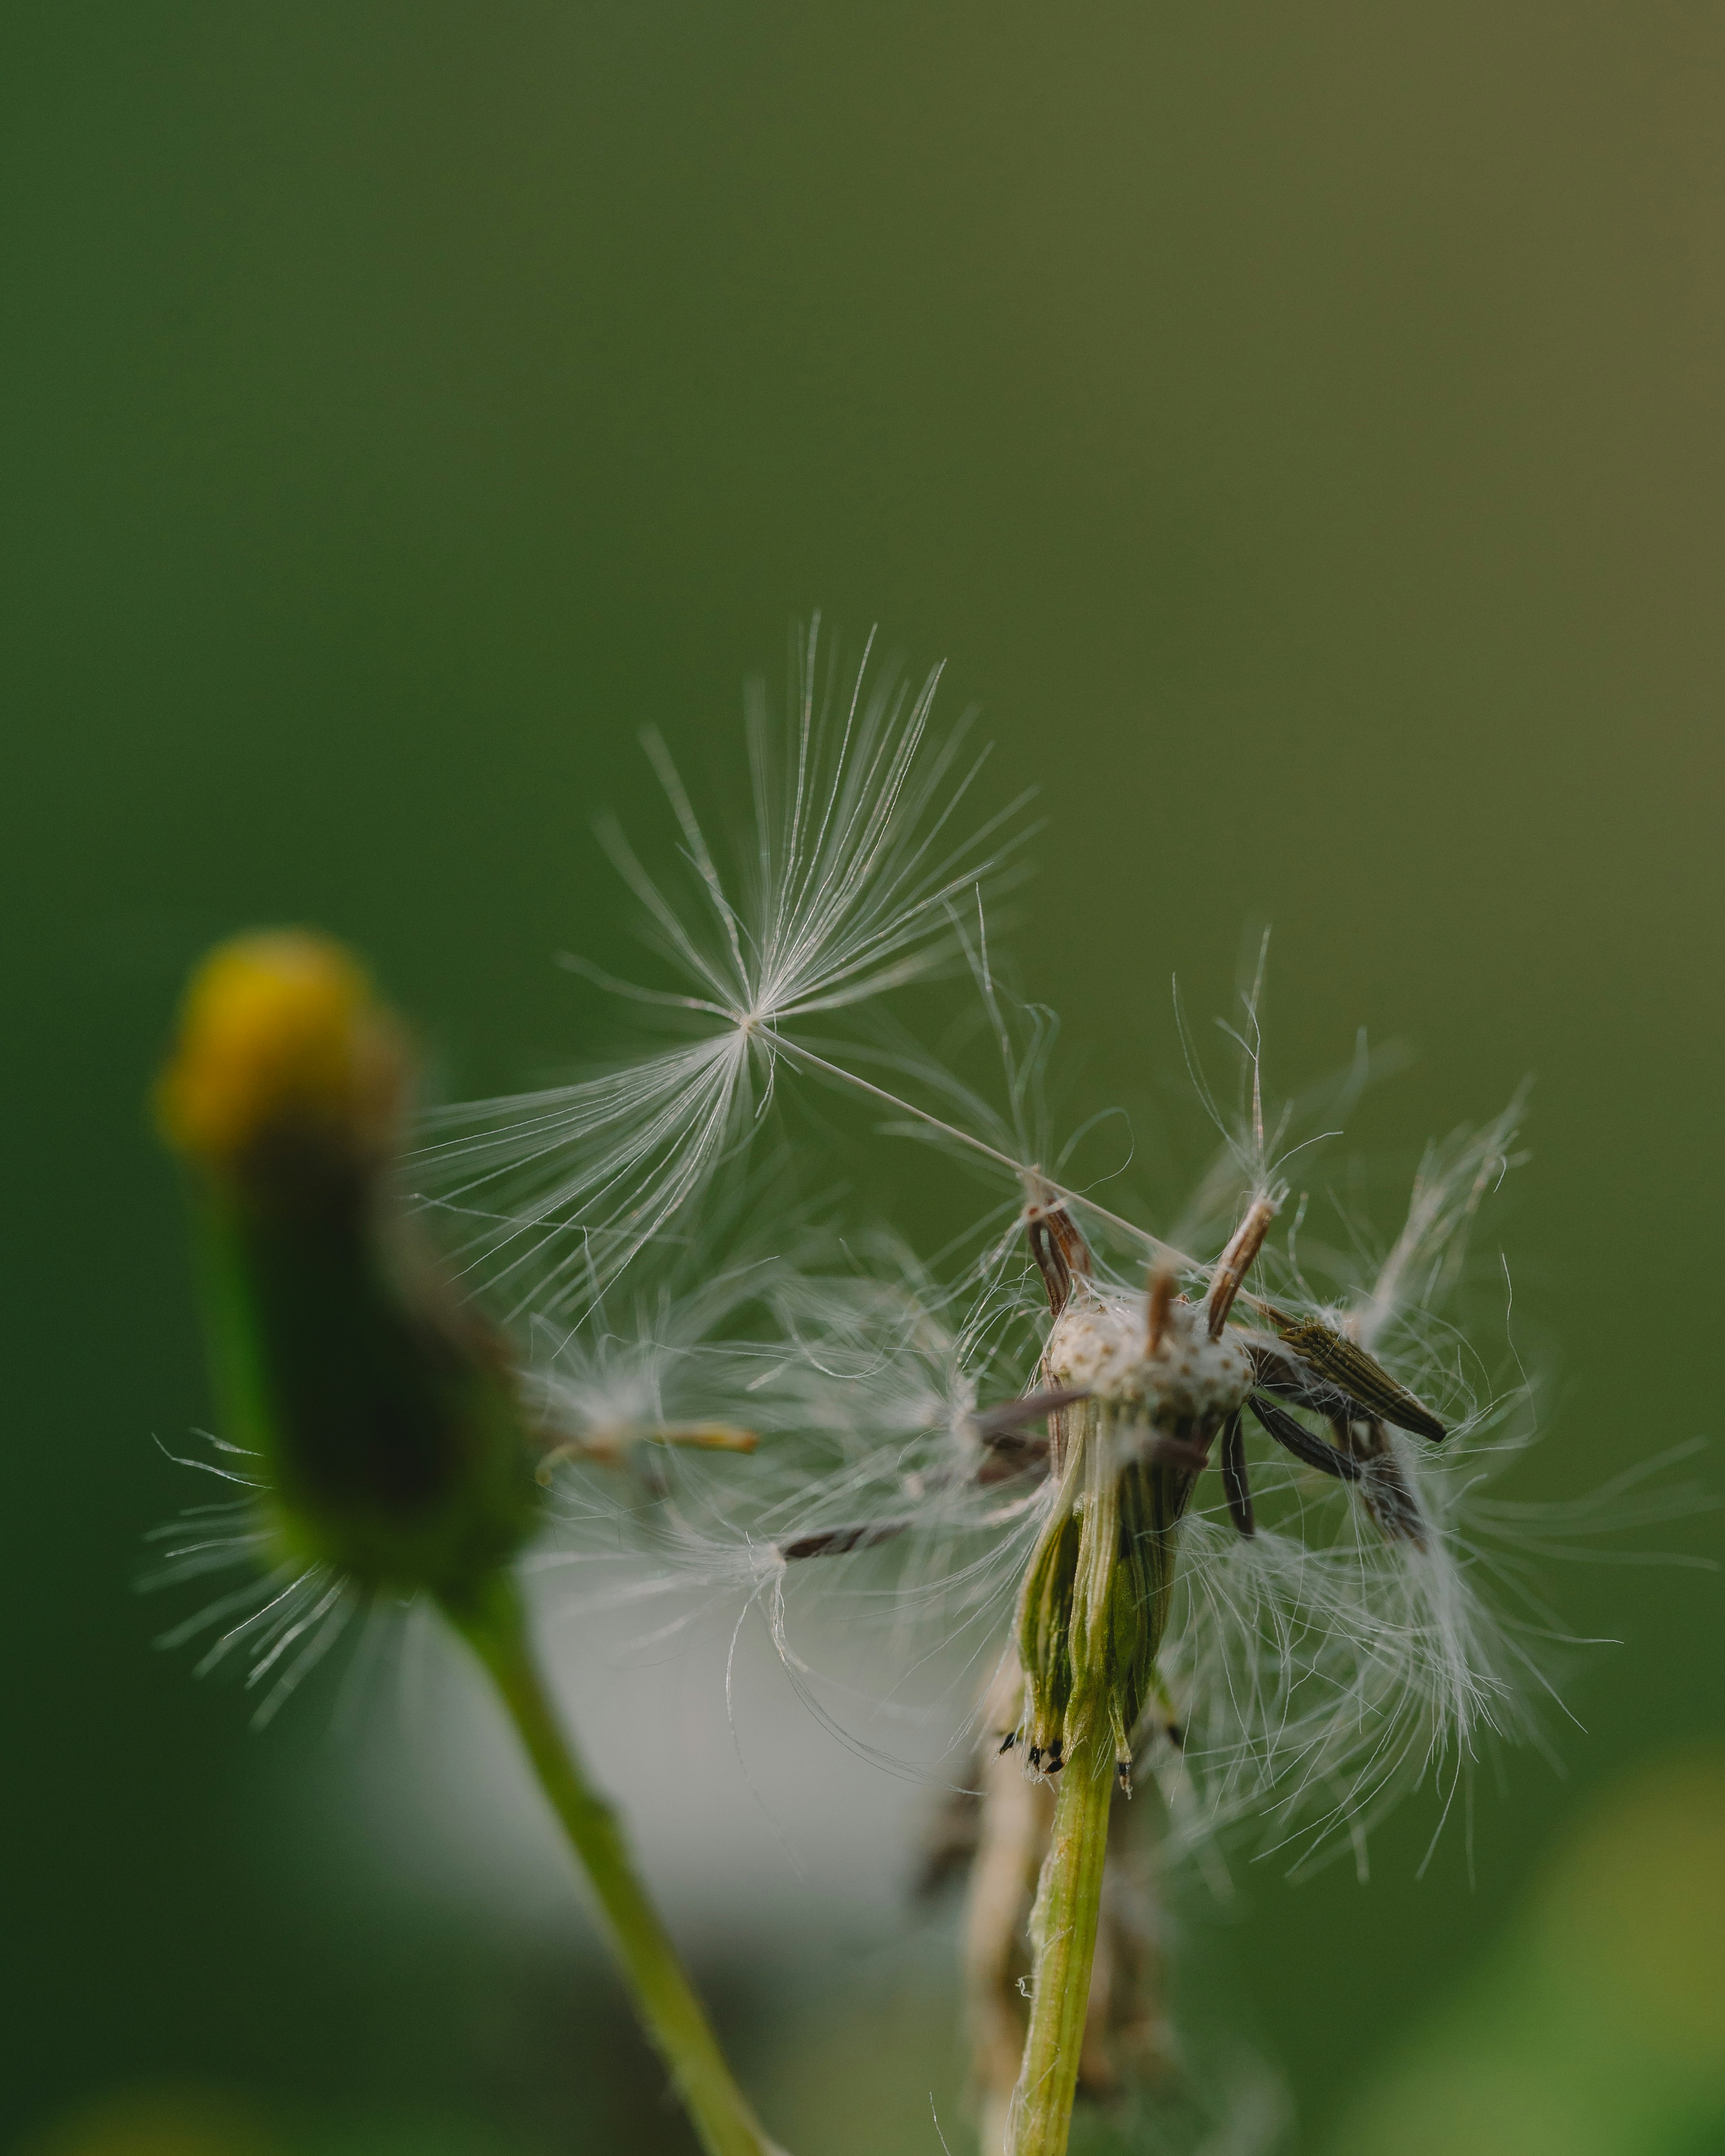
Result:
[1069,1893]
[669,2012]
[1063,1935]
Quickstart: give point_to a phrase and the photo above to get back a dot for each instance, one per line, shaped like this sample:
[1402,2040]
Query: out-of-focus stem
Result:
[1012,1840]
[669,2012]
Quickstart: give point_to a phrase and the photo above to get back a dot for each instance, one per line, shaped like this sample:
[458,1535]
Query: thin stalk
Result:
[1063,1934]
[1020,1168]
[669,2012]
[1012,1840]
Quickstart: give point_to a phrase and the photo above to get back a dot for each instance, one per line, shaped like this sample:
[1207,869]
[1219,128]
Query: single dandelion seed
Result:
[845,891]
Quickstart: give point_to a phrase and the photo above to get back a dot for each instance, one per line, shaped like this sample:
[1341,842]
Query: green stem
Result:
[668,2011]
[1114,1629]
[1063,1934]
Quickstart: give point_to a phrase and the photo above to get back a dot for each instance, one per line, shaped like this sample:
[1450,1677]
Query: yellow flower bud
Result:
[283,1048]
[382,1411]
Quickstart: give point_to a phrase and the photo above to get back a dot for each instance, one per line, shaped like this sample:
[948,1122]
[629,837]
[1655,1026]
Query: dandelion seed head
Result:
[1316,1672]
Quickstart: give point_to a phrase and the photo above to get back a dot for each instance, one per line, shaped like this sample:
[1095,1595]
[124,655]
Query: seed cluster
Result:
[1146,1387]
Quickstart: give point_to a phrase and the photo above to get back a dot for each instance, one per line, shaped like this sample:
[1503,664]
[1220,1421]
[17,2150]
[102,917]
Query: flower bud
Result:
[382,1413]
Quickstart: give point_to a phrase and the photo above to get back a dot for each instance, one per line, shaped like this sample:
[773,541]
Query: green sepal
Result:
[1045,1628]
[1091,1618]
[383,1416]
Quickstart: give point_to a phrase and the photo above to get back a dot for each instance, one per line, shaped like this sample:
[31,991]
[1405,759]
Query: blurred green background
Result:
[1300,428]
